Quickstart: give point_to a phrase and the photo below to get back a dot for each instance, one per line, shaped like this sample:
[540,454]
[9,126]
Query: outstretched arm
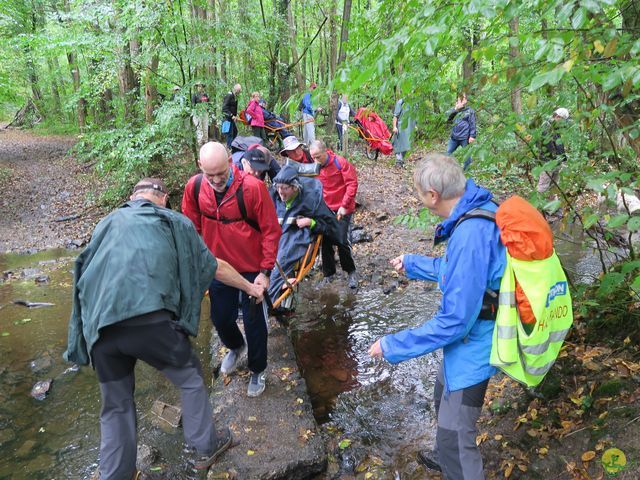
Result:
[228,275]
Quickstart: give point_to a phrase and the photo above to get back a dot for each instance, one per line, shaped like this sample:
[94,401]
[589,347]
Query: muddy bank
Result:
[48,200]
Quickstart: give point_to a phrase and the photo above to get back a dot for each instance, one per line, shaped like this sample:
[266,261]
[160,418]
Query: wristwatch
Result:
[265,272]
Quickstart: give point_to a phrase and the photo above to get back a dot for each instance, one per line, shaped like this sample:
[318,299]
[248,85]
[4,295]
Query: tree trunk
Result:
[294,51]
[332,51]
[55,88]
[82,103]
[151,89]
[512,71]
[128,84]
[344,31]
[469,65]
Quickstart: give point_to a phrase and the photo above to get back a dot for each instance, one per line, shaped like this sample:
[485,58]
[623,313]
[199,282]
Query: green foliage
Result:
[124,155]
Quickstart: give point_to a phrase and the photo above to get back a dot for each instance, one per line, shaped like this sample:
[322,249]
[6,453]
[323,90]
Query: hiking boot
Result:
[352,280]
[427,459]
[257,384]
[326,280]
[203,462]
[230,360]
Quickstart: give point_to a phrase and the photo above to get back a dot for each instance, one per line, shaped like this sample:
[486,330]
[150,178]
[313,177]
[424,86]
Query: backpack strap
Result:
[239,198]
[196,190]
[337,163]
[490,304]
[243,209]
[477,213]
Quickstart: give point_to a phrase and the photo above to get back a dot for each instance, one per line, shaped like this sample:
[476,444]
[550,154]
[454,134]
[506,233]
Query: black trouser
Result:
[344,253]
[224,314]
[233,133]
[260,132]
[155,339]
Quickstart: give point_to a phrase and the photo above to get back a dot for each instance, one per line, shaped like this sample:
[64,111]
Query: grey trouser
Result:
[458,412]
[309,129]
[155,339]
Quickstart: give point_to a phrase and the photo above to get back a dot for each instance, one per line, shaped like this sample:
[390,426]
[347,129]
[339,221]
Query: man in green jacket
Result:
[137,292]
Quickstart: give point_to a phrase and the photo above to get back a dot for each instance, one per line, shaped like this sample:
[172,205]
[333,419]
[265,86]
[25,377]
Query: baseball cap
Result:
[256,159]
[562,113]
[287,175]
[289,143]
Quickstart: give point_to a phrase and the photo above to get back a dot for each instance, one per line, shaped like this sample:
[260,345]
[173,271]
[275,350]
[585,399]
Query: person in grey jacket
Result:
[137,291]
[463,131]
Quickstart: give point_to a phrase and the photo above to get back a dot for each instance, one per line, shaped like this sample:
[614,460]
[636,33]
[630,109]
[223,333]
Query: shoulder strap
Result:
[337,163]
[243,208]
[196,190]
[477,213]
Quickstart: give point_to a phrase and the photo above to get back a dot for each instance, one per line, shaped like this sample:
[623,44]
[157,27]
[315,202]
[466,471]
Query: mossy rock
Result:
[610,388]
[550,387]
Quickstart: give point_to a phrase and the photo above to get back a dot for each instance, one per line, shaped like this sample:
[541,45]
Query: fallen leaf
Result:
[497,437]
[252,419]
[299,401]
[344,443]
[588,456]
[250,452]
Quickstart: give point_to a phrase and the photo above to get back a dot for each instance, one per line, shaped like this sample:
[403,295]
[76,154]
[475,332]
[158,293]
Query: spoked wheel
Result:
[372,153]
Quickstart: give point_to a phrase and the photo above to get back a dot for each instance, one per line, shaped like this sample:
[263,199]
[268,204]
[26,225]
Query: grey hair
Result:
[318,145]
[440,173]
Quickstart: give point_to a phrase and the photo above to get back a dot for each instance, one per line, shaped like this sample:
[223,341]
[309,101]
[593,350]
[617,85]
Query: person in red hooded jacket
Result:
[340,185]
[235,215]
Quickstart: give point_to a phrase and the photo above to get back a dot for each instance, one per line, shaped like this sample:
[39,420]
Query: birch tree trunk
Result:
[514,54]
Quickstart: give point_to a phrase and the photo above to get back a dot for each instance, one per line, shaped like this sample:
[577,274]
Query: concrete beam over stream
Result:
[275,435]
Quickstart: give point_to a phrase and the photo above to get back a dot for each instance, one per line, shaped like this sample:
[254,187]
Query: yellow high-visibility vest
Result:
[528,357]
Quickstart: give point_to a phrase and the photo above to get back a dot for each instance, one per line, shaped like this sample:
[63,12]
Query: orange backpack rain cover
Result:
[527,236]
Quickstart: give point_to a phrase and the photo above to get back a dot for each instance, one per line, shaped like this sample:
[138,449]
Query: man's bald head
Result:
[215,162]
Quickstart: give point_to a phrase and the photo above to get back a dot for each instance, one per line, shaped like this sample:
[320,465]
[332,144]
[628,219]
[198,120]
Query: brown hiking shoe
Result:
[203,462]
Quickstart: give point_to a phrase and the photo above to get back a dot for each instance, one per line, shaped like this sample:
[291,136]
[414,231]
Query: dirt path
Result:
[47,200]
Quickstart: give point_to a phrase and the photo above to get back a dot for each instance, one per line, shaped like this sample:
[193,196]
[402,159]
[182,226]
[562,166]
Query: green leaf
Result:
[590,221]
[630,266]
[578,19]
[538,81]
[610,282]
[344,444]
[552,206]
[618,220]
[634,224]
[5,334]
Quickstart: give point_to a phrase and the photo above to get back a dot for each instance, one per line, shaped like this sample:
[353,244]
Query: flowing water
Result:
[384,410]
[58,437]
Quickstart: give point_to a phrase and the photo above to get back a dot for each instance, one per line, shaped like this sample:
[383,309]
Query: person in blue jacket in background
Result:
[469,276]
[464,129]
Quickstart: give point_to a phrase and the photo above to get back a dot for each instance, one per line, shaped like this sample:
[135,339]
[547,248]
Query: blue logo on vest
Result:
[558,289]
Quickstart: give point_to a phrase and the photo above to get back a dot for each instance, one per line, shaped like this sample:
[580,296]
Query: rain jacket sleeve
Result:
[190,206]
[463,286]
[420,267]
[265,213]
[472,123]
[350,179]
[307,106]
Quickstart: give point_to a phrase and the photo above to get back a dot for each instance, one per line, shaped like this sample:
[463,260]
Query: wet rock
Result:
[75,243]
[28,304]
[30,273]
[6,435]
[42,279]
[25,449]
[40,364]
[39,464]
[146,457]
[41,388]
[360,235]
[387,289]
[382,216]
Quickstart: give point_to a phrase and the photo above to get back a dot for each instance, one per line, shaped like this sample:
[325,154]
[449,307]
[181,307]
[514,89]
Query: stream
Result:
[383,410]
